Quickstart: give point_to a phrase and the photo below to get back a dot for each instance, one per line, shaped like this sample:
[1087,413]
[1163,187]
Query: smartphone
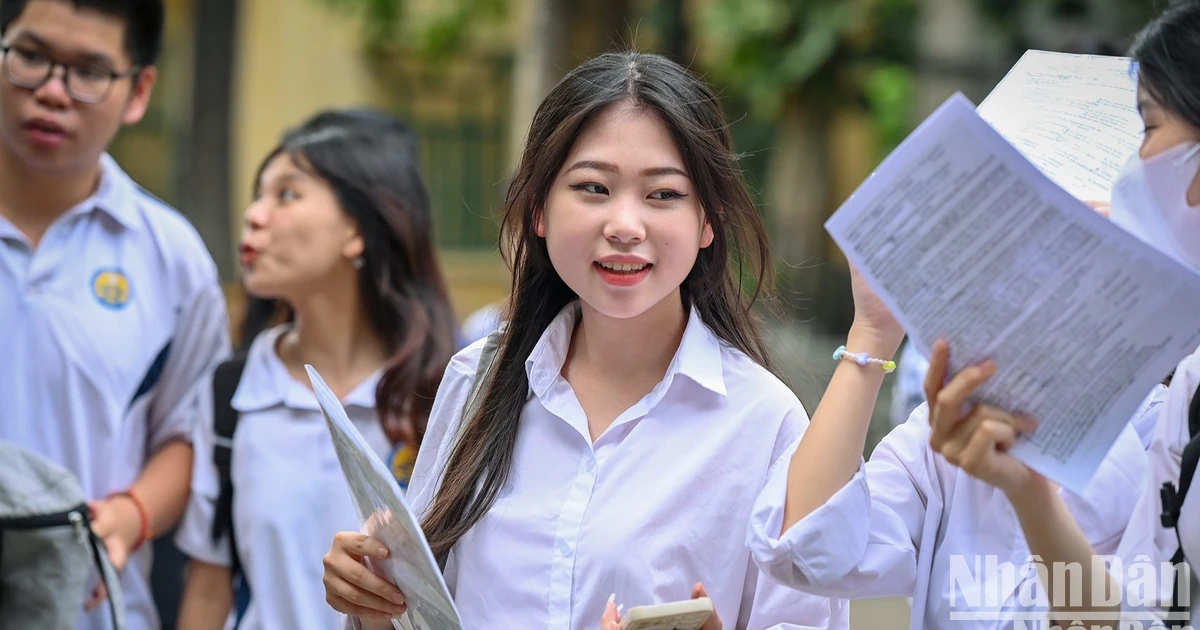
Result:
[688,614]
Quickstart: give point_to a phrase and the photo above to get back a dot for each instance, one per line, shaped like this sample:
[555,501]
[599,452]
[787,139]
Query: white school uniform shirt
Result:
[910,524]
[656,504]
[107,333]
[1147,543]
[290,497]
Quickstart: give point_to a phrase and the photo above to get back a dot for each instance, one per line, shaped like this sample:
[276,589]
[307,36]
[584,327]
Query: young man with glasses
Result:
[111,315]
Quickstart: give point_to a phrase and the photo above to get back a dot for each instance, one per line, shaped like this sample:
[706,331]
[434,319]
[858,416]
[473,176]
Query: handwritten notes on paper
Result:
[1074,116]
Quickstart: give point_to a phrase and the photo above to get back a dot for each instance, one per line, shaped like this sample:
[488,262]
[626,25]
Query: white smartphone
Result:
[688,614]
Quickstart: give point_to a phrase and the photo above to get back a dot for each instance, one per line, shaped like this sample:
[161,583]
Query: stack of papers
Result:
[977,236]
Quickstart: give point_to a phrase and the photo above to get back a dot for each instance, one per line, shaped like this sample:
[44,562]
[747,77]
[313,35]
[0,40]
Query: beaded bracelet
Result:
[862,358]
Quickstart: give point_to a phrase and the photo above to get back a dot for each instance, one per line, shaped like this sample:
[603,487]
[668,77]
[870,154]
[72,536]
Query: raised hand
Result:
[974,437]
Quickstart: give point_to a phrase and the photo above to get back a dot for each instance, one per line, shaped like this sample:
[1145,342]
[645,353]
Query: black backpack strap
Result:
[225,419]
[1173,501]
[108,577]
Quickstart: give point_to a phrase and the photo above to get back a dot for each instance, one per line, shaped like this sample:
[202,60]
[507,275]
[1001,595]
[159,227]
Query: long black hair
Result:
[1167,52]
[371,162]
[480,461]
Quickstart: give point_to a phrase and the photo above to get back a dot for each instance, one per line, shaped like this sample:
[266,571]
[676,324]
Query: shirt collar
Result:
[267,383]
[698,356]
[115,197]
[116,194]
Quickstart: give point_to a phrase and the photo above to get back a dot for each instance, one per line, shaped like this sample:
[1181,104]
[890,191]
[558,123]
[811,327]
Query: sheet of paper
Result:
[385,514]
[1074,116]
[965,240]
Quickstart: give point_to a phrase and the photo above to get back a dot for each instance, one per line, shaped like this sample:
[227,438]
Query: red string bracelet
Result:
[144,515]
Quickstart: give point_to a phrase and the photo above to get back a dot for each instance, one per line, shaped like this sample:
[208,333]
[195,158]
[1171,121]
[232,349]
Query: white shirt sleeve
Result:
[194,537]
[1146,544]
[1104,508]
[773,606]
[768,604]
[860,543]
[199,344]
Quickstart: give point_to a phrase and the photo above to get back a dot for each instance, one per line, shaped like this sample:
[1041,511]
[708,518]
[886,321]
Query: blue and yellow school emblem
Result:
[111,288]
[401,462]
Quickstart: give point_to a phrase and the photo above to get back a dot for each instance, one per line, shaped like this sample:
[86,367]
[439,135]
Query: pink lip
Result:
[45,132]
[45,124]
[248,255]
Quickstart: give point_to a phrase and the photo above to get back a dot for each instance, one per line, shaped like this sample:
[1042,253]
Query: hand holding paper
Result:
[978,442]
[966,240]
[351,587]
[409,563]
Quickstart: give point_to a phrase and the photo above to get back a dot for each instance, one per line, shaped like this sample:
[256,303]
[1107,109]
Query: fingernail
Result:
[612,598]
[398,597]
[620,608]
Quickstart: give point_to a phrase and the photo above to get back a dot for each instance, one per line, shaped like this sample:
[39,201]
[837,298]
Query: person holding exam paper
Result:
[1158,199]
[631,415]
[910,523]
[340,237]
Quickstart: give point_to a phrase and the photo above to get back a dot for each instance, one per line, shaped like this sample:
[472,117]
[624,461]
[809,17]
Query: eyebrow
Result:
[278,182]
[288,178]
[657,171]
[86,56]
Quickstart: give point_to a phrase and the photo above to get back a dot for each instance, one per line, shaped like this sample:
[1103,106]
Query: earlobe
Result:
[706,235]
[539,223]
[355,247]
[139,98]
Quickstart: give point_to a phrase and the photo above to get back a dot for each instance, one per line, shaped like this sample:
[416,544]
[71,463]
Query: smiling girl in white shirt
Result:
[632,398]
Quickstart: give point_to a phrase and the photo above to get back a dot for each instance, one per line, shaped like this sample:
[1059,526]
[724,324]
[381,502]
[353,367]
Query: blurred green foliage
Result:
[444,31]
[832,53]
[841,53]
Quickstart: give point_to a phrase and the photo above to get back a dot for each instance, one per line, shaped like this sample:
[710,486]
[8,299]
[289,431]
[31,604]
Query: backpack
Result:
[47,547]
[225,419]
[1172,499]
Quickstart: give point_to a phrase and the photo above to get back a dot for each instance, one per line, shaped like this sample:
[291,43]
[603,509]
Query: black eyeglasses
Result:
[85,83]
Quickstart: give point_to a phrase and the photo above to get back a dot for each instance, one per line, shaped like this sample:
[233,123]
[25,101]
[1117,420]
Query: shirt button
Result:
[590,465]
[564,548]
